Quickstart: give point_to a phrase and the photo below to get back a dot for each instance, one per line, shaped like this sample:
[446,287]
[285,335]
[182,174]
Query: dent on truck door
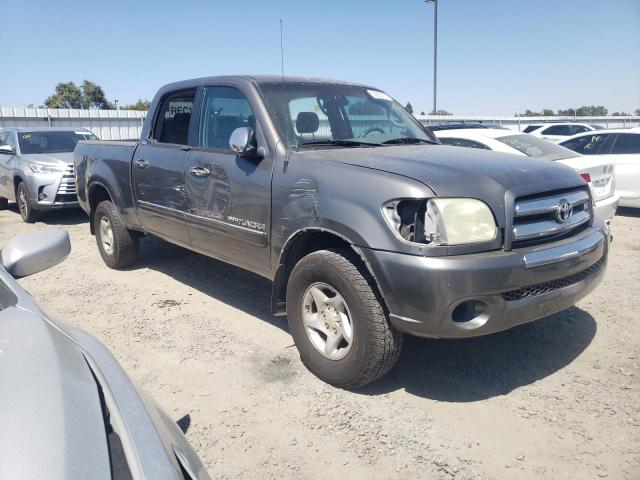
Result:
[230,196]
[158,170]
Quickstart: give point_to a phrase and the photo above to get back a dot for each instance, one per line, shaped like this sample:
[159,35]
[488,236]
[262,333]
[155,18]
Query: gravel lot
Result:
[557,398]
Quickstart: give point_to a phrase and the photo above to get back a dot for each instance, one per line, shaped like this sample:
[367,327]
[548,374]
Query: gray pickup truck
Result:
[368,227]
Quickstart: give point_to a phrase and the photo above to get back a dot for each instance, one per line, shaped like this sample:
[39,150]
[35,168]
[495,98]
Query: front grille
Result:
[67,188]
[536,218]
[547,287]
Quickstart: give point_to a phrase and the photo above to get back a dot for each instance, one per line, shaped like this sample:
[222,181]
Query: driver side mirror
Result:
[33,252]
[243,143]
[7,150]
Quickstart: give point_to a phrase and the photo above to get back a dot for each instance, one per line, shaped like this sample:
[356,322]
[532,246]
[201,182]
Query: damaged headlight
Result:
[441,221]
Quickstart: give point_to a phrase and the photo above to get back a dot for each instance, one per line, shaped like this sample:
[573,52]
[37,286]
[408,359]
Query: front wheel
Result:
[28,214]
[337,320]
[118,245]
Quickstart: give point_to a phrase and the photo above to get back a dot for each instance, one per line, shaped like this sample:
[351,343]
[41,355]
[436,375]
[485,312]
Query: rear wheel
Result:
[337,320]
[118,245]
[28,214]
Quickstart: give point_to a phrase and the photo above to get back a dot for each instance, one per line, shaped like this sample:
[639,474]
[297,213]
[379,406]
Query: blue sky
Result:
[495,56]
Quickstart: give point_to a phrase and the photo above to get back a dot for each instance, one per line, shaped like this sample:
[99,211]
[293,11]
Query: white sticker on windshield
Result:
[378,95]
[82,133]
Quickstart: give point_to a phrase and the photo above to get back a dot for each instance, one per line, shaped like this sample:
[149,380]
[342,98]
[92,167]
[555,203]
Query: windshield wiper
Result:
[341,143]
[407,141]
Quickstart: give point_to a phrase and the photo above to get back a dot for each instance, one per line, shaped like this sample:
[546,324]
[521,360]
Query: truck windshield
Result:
[537,147]
[51,141]
[314,115]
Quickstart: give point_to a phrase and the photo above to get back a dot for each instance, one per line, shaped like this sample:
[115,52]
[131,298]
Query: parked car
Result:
[620,147]
[68,410]
[367,227]
[36,168]
[598,173]
[462,125]
[557,131]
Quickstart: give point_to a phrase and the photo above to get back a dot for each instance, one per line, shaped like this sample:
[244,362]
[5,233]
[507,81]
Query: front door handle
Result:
[141,163]
[200,171]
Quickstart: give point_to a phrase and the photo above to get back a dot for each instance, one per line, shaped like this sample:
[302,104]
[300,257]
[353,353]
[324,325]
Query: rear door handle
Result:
[200,171]
[141,163]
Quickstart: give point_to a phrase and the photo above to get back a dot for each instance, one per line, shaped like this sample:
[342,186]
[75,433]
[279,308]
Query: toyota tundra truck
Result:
[367,226]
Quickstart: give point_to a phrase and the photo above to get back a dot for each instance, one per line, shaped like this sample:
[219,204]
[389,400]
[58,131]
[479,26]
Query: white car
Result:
[557,131]
[621,147]
[598,173]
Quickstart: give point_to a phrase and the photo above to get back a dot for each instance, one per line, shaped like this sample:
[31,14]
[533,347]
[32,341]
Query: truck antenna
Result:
[284,96]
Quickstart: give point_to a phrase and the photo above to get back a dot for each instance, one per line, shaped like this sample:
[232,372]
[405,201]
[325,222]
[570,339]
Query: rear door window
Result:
[174,118]
[576,129]
[562,130]
[627,143]
[589,144]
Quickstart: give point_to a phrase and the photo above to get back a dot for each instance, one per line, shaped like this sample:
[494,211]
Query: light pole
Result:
[435,51]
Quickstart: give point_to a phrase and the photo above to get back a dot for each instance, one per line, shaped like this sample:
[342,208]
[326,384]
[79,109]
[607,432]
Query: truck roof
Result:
[258,79]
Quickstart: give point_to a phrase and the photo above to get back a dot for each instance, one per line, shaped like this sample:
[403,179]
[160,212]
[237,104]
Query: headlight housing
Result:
[45,168]
[442,221]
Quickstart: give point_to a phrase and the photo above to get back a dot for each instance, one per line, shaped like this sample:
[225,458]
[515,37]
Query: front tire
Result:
[337,320]
[118,245]
[28,214]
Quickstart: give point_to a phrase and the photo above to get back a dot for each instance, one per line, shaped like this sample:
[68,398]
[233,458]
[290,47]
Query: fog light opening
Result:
[470,314]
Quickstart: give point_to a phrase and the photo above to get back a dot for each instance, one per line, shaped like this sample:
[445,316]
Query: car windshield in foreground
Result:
[321,115]
[51,141]
[537,147]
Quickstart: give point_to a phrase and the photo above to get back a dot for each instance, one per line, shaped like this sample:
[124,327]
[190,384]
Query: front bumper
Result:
[51,191]
[477,294]
[606,208]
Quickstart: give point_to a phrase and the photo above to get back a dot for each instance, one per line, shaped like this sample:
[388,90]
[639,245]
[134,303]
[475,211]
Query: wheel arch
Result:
[97,192]
[302,243]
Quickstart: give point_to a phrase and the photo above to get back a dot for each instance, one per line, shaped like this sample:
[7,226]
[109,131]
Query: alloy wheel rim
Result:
[106,235]
[327,321]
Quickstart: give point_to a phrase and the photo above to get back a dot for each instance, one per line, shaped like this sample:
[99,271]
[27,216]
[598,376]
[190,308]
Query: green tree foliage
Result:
[584,111]
[142,105]
[408,107]
[638,112]
[69,95]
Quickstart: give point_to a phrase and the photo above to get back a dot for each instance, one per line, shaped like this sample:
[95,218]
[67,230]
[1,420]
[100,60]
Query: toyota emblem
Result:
[563,210]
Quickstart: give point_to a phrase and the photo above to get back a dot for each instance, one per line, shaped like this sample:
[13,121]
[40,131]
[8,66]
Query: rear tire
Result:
[118,245]
[369,348]
[4,203]
[28,214]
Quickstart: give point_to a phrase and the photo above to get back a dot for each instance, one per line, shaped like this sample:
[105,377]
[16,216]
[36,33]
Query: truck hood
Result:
[52,422]
[65,158]
[461,172]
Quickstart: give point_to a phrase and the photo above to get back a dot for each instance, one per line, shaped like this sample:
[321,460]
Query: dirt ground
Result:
[557,398]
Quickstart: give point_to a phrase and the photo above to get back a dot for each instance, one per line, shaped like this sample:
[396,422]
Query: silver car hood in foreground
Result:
[52,425]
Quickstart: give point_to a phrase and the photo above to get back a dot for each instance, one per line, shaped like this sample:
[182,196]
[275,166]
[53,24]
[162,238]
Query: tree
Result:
[637,112]
[422,113]
[93,96]
[547,112]
[570,112]
[69,95]
[408,107]
[142,105]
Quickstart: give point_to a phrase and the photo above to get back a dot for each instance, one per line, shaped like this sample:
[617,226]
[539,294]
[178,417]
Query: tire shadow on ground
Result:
[63,217]
[473,369]
[234,286]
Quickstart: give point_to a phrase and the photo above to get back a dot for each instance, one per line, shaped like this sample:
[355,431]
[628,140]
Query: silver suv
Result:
[36,168]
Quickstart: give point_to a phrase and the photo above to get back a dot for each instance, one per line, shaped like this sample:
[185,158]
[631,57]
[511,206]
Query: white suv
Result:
[558,131]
